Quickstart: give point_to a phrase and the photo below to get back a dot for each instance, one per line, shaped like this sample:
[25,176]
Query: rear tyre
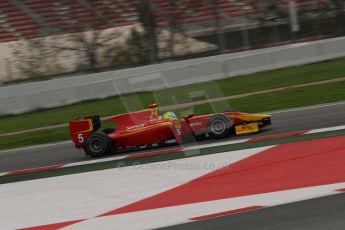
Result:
[219,126]
[98,144]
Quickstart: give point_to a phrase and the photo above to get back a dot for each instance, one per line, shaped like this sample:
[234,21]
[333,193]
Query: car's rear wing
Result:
[80,129]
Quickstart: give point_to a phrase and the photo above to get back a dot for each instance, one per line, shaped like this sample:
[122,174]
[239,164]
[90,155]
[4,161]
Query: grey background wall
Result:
[25,97]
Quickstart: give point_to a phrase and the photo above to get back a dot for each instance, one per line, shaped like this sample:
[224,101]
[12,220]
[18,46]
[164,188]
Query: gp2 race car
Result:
[146,127]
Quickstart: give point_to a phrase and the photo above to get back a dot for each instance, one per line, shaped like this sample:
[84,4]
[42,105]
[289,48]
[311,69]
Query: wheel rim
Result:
[218,126]
[96,145]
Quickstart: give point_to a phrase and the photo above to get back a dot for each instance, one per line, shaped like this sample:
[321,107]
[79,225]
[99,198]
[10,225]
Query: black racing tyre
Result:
[98,144]
[219,126]
[108,130]
[201,137]
[161,144]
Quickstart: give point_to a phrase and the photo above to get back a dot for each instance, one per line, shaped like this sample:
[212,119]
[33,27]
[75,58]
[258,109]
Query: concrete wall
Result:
[25,97]
[57,62]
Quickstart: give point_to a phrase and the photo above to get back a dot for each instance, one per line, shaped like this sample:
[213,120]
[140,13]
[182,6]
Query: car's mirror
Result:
[190,115]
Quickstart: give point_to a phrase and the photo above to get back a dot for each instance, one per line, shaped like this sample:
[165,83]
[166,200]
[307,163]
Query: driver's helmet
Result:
[170,116]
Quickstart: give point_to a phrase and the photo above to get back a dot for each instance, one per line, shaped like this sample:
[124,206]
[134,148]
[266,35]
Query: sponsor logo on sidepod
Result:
[195,124]
[135,126]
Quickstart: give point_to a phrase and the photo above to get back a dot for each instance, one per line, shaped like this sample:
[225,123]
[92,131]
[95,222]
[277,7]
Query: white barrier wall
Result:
[25,97]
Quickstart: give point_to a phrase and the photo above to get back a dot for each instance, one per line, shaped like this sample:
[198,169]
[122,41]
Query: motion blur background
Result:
[42,39]
[62,60]
[66,59]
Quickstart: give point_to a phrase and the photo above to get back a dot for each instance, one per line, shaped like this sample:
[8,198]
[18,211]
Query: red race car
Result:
[146,127]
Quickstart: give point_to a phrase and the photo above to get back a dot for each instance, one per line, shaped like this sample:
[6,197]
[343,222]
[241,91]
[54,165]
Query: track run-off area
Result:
[299,158]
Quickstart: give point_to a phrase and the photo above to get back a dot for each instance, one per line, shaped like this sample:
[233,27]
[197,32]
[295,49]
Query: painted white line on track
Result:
[194,147]
[202,146]
[139,153]
[132,154]
[162,217]
[94,161]
[86,195]
[305,108]
[270,112]
[335,128]
[36,146]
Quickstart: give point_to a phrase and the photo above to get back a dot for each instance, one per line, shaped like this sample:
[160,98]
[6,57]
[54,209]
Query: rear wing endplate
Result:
[80,129]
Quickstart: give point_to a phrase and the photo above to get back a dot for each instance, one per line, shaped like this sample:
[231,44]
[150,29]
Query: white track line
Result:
[195,147]
[305,108]
[36,146]
[131,154]
[270,112]
[217,144]
[162,217]
[326,129]
[94,161]
[89,194]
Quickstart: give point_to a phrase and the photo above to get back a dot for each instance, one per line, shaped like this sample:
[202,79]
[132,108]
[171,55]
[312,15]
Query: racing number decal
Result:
[177,124]
[80,138]
[178,132]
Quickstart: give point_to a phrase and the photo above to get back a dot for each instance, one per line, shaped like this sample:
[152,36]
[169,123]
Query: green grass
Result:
[242,84]
[264,80]
[34,138]
[289,98]
[59,115]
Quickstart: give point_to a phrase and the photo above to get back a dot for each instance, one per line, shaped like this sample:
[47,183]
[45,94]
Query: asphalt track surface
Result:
[284,121]
[315,214]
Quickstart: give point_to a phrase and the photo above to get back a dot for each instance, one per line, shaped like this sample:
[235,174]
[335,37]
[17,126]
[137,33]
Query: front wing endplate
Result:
[247,128]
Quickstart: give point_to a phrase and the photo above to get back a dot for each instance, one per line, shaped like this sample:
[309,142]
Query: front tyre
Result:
[98,144]
[219,126]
